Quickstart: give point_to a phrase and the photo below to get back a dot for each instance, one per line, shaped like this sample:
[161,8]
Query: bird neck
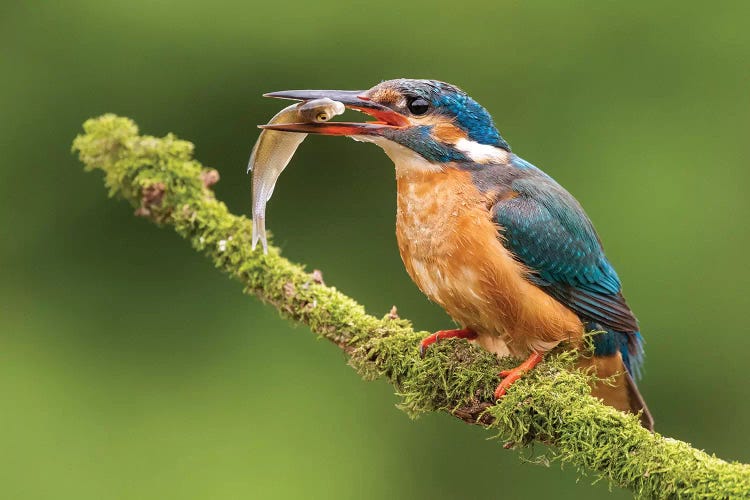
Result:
[406,161]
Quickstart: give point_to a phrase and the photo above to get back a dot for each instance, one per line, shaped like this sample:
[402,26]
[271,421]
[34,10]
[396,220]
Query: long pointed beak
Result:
[352,99]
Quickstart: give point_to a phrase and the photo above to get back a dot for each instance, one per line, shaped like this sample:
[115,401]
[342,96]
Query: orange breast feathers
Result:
[451,248]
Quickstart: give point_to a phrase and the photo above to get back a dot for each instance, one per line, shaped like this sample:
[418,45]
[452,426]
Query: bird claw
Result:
[510,376]
[427,342]
[464,333]
[500,391]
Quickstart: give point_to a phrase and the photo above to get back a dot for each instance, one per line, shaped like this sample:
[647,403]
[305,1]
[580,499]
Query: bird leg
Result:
[510,376]
[464,333]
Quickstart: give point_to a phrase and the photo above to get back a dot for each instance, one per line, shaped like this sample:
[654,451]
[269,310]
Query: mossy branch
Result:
[551,405]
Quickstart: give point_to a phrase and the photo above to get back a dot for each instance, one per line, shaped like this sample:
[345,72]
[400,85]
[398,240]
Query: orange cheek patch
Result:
[448,132]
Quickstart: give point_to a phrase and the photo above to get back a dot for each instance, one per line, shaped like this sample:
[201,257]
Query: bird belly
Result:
[451,249]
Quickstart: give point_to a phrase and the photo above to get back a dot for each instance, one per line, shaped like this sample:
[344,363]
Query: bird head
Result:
[426,123]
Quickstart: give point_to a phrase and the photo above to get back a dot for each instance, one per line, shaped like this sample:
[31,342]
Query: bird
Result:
[504,249]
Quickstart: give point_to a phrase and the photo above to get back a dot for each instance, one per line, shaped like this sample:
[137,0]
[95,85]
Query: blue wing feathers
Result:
[548,231]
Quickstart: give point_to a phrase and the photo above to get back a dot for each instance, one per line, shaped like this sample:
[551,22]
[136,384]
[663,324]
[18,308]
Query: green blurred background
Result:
[130,368]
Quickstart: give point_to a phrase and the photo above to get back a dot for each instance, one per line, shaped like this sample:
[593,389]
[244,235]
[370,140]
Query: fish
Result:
[274,149]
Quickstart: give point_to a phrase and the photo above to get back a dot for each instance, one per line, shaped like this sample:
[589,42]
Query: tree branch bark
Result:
[551,405]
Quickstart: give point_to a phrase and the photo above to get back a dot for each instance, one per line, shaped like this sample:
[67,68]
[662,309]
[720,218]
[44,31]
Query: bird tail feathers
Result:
[619,390]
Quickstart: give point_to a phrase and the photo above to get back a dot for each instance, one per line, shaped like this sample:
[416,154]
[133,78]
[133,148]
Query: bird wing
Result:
[548,231]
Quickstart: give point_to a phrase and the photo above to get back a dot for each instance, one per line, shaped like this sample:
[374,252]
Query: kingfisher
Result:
[507,252]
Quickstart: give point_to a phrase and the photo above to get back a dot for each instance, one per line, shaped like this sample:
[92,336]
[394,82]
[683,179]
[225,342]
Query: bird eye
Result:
[418,106]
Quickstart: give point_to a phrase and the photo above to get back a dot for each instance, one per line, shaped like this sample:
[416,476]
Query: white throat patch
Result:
[481,153]
[406,160]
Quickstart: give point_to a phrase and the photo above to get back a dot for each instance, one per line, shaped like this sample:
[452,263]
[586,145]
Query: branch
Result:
[551,405]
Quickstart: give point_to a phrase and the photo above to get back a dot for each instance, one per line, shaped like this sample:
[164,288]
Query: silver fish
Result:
[273,150]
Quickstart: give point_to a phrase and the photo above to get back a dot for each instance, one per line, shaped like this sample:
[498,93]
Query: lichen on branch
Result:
[551,405]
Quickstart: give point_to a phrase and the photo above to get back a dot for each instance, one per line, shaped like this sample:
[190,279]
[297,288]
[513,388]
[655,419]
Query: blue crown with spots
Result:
[451,101]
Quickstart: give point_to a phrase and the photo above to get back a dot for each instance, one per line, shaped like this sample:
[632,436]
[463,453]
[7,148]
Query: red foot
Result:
[510,376]
[445,334]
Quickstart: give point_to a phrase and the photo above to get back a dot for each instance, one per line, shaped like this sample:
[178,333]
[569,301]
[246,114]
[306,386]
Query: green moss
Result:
[550,405]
